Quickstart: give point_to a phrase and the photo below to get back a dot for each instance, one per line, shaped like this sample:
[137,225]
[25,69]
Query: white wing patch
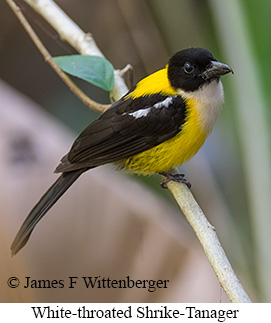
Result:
[144,112]
[164,104]
[140,113]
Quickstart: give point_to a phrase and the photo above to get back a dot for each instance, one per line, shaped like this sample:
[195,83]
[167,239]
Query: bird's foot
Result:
[179,178]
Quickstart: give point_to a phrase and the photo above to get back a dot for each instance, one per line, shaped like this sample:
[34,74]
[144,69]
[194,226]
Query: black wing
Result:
[129,127]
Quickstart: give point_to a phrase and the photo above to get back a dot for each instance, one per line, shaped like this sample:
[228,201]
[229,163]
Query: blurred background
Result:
[114,225]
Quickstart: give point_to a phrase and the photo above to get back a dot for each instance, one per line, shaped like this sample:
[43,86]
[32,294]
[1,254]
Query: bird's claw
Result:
[179,178]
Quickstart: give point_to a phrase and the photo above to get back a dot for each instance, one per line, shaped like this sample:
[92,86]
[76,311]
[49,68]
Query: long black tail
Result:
[44,204]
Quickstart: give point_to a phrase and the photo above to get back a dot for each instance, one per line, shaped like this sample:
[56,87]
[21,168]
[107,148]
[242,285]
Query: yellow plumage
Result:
[155,83]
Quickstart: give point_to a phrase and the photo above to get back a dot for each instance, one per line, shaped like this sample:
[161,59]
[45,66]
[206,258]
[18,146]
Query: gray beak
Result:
[216,70]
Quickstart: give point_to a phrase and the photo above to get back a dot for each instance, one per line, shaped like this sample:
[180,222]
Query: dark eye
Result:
[188,68]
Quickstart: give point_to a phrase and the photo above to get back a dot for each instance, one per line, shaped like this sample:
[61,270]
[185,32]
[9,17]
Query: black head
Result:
[190,68]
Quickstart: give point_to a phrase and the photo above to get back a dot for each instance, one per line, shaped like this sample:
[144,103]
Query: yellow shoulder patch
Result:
[153,84]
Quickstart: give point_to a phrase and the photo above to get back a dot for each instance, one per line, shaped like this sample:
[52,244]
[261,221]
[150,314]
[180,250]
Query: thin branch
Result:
[207,236]
[128,69]
[48,58]
[75,36]
[205,232]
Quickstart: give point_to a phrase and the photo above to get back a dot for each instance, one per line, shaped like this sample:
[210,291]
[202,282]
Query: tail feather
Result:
[44,204]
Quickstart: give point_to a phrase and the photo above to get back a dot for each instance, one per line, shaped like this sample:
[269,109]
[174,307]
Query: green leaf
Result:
[93,69]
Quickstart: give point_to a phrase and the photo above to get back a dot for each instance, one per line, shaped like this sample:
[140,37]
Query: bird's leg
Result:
[173,177]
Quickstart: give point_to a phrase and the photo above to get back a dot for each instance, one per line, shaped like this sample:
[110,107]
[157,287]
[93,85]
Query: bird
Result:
[158,125]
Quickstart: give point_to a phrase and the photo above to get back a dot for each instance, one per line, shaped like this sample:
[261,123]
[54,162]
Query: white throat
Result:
[210,98]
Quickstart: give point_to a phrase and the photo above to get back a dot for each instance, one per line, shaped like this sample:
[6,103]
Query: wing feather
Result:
[122,131]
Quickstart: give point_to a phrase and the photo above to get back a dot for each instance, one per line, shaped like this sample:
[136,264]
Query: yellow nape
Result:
[173,152]
[155,83]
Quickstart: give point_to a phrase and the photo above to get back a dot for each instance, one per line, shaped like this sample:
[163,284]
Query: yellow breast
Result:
[173,152]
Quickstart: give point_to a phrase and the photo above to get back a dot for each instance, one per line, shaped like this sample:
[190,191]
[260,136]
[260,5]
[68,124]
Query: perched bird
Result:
[159,124]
